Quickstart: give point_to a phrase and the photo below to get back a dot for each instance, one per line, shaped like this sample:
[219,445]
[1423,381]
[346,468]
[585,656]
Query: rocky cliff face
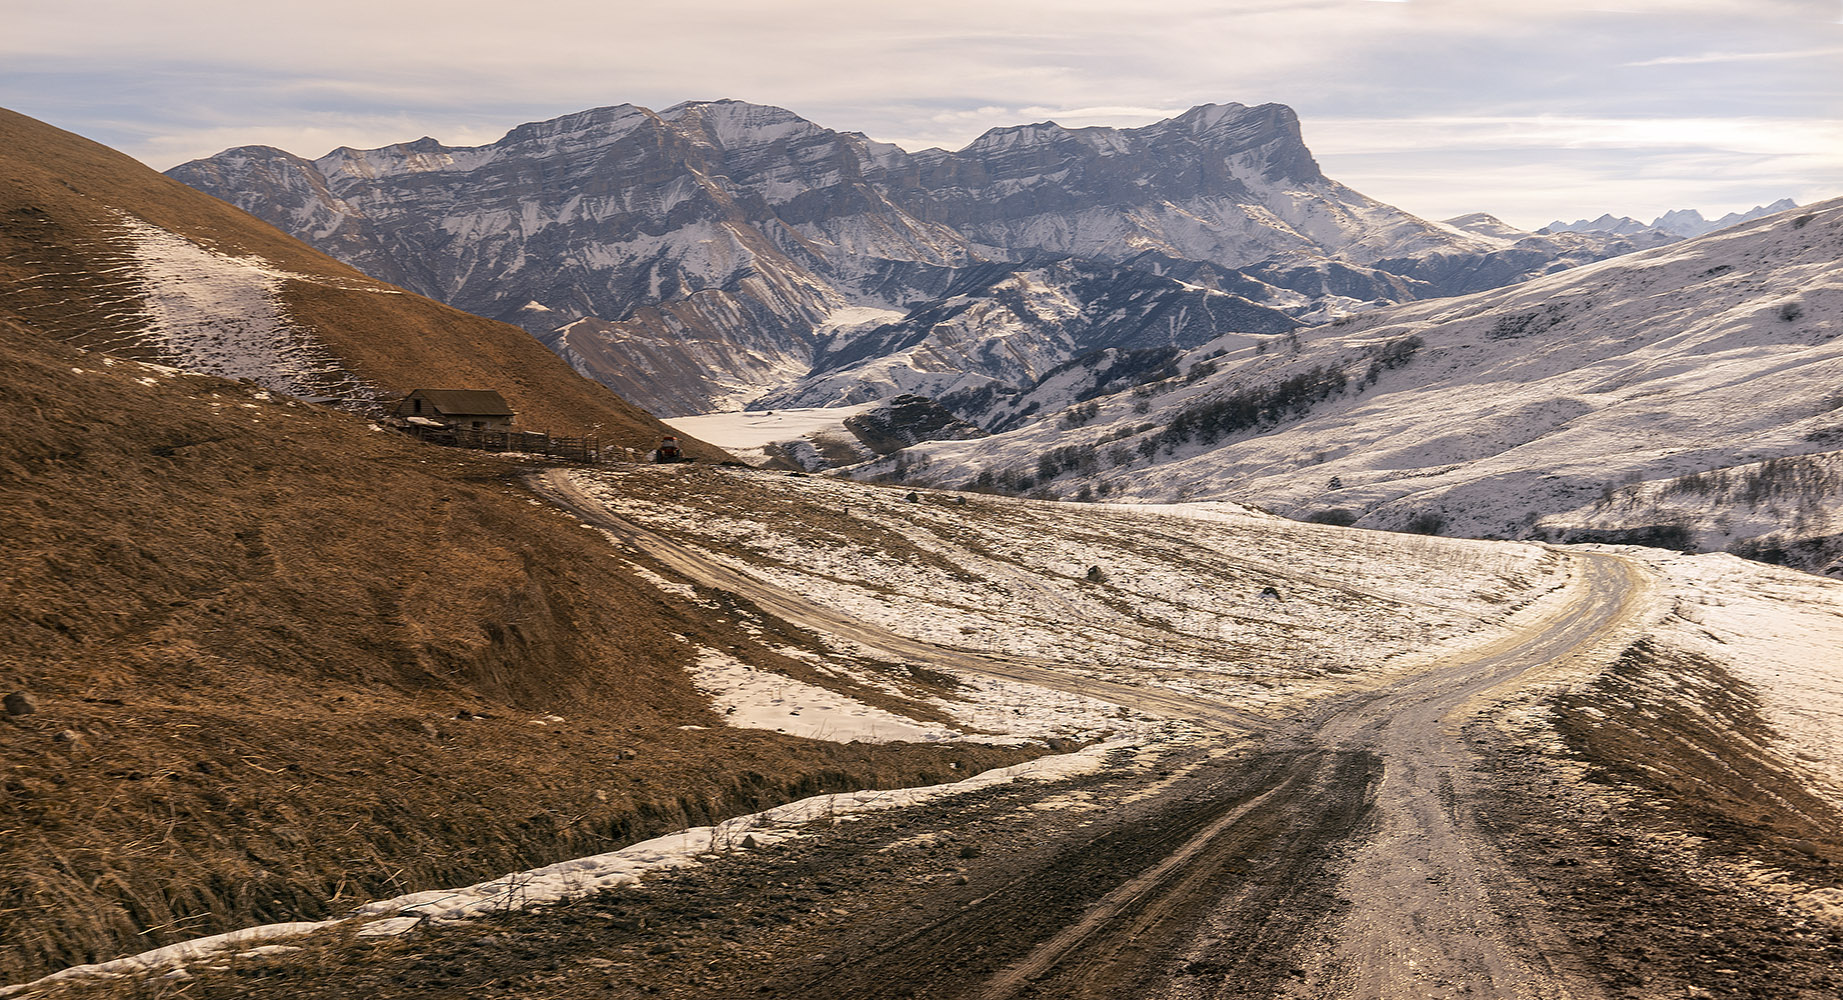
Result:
[694,258]
[997,334]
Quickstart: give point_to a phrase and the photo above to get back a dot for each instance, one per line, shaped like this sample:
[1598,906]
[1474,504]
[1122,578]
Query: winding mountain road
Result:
[1336,859]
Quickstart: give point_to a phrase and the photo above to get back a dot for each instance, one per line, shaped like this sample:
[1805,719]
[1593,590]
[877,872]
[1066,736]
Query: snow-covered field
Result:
[747,433]
[1214,599]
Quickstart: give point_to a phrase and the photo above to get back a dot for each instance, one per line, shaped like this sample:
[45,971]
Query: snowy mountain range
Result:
[697,258]
[1690,395]
[1683,222]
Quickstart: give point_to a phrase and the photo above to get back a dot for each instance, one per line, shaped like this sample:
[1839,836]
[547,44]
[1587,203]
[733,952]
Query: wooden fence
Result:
[580,449]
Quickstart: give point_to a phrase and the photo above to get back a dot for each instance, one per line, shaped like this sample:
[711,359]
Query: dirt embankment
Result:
[283,661]
[1642,864]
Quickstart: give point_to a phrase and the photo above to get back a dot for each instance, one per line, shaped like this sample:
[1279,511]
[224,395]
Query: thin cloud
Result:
[1779,136]
[1707,58]
[187,78]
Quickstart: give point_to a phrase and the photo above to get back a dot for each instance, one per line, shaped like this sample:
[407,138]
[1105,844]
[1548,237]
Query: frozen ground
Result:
[1209,599]
[747,433]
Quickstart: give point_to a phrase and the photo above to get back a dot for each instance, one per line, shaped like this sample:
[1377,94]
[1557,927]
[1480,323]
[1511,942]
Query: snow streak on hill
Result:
[223,315]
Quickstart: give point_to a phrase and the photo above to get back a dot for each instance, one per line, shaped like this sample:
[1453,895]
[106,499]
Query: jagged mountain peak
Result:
[1272,129]
[1217,124]
[729,124]
[1207,116]
[1007,136]
[1681,222]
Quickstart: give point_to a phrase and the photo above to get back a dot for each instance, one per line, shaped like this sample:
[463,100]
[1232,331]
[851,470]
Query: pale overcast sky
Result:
[1528,110]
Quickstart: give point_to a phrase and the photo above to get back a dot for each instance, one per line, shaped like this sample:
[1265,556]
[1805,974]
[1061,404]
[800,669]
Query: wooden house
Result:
[466,409]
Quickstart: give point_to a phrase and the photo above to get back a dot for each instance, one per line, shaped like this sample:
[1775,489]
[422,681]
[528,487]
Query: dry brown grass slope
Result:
[262,636]
[58,197]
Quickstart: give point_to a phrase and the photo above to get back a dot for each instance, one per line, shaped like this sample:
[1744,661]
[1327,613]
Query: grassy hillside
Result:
[67,268]
[282,660]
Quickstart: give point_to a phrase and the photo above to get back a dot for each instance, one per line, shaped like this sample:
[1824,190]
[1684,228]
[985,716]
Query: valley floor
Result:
[1318,763]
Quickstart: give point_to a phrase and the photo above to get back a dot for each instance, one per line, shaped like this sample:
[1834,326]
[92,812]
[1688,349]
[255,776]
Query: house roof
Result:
[465,402]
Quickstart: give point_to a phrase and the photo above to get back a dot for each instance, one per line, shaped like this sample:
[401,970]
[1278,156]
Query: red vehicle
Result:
[668,451]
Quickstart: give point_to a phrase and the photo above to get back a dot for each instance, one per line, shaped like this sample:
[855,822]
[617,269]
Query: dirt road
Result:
[1332,859]
[557,487]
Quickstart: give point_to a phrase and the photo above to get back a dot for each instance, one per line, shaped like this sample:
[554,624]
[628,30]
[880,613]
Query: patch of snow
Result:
[175,956]
[222,315]
[583,876]
[751,430]
[756,699]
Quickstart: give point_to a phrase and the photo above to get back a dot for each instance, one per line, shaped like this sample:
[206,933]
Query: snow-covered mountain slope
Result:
[1648,397]
[691,258]
[1000,331]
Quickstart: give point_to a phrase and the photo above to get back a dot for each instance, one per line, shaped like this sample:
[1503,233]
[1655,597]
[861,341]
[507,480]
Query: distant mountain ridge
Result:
[698,257]
[1682,222]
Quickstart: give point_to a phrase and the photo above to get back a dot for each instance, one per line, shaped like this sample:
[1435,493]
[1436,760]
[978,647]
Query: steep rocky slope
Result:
[998,331]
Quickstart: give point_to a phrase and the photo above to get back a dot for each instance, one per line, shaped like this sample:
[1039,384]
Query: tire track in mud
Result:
[1336,865]
[1103,916]
[1434,910]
